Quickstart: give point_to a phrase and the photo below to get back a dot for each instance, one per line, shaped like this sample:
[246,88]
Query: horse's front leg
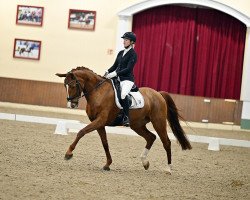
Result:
[96,124]
[103,136]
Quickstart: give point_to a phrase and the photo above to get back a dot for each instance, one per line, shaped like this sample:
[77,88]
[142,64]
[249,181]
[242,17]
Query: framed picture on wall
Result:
[27,49]
[29,15]
[82,19]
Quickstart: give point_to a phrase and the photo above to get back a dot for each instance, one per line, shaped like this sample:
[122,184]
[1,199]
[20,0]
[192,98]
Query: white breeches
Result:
[126,86]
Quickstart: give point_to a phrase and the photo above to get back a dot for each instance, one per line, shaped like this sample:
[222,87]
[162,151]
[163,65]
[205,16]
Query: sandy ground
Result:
[32,166]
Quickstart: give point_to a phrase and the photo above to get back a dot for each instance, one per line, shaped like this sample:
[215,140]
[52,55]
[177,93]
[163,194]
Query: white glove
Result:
[106,73]
[111,75]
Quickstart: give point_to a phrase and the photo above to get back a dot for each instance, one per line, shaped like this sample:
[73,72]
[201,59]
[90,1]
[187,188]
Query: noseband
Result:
[79,88]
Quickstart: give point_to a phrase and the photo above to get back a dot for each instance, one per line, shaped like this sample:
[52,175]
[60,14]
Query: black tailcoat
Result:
[124,65]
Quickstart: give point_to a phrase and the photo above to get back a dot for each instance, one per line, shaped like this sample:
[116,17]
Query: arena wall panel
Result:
[33,92]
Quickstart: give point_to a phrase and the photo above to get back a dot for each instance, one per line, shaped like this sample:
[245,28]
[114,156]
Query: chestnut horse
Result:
[102,111]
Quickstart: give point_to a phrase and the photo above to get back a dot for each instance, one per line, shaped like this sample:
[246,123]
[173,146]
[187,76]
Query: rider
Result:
[123,68]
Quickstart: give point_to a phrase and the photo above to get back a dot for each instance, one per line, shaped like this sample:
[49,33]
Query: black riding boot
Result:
[125,105]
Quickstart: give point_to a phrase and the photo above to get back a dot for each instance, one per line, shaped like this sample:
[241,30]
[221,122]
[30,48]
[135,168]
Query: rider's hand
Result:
[111,75]
[106,73]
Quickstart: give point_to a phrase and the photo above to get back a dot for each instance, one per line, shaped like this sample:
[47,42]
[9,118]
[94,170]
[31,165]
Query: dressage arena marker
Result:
[214,144]
[63,126]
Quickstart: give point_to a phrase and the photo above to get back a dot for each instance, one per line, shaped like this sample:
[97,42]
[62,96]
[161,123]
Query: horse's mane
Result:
[85,68]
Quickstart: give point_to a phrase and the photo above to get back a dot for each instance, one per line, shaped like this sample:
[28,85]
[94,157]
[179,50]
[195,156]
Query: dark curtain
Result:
[190,51]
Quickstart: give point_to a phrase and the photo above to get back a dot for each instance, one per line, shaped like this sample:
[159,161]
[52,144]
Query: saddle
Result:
[136,100]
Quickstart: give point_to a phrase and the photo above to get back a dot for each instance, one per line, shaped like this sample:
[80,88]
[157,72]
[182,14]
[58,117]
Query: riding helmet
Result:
[130,35]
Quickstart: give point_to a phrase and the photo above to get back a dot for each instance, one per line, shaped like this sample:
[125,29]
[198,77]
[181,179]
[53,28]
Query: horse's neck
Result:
[92,82]
[95,89]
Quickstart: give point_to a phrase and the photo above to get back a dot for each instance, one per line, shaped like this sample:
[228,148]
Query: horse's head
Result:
[78,81]
[73,87]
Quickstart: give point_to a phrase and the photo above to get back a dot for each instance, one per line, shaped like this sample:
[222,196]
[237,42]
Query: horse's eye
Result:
[72,84]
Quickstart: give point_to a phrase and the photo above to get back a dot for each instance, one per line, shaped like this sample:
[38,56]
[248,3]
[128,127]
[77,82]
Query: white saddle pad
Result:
[137,99]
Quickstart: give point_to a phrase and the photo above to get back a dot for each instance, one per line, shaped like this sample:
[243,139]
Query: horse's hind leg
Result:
[103,136]
[161,129]
[150,138]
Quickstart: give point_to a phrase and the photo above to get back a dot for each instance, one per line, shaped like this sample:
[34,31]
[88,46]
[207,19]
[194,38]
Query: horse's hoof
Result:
[68,156]
[106,168]
[169,169]
[168,172]
[146,166]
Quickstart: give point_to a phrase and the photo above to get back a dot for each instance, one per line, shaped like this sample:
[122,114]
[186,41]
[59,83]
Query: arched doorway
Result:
[126,18]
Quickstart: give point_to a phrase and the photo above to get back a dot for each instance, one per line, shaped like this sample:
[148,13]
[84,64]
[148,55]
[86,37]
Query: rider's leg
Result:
[125,105]
[126,86]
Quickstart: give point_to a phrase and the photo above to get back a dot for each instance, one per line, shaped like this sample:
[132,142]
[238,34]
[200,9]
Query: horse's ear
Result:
[61,75]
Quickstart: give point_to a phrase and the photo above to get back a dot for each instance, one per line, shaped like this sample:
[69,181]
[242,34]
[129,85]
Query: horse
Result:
[26,49]
[101,109]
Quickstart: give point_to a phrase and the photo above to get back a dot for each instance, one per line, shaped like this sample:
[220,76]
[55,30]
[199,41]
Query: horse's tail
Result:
[173,119]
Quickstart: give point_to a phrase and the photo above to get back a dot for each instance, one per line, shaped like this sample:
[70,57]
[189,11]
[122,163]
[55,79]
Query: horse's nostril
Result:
[74,104]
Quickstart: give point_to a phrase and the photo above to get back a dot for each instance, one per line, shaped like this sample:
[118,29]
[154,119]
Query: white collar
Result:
[126,50]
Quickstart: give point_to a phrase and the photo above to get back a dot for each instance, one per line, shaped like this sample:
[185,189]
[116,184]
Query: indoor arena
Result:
[135,99]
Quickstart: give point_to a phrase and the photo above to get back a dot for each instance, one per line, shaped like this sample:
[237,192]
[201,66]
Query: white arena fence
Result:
[64,126]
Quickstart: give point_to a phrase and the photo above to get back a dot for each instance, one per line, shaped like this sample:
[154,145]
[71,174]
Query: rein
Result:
[97,85]
[80,89]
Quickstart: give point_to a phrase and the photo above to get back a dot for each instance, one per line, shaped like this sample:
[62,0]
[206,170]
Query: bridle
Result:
[80,91]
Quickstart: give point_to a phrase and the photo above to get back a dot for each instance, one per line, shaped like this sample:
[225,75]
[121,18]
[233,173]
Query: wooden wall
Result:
[211,110]
[33,92]
[197,109]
